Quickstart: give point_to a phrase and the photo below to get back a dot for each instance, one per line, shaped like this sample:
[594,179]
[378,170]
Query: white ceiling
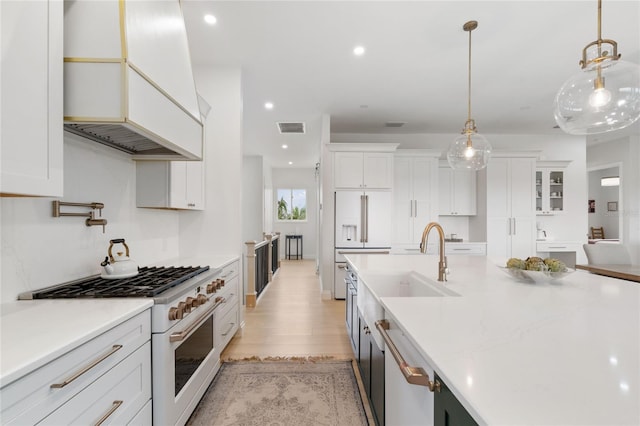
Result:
[299,55]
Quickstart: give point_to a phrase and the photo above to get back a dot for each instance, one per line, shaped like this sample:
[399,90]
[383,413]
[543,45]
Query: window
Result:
[292,204]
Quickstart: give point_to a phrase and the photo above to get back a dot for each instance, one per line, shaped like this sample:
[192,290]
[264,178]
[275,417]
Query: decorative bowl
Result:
[536,276]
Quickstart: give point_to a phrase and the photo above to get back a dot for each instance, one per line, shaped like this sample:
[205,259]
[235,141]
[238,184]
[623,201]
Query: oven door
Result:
[185,361]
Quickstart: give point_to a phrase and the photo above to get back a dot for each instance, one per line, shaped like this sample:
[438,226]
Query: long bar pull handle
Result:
[364,252]
[229,329]
[180,335]
[413,375]
[362,218]
[108,414]
[113,350]
[514,225]
[366,218]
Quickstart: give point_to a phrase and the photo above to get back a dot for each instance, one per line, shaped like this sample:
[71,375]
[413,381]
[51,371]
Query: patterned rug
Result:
[282,393]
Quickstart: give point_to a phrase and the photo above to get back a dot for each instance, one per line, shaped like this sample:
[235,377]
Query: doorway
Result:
[605,200]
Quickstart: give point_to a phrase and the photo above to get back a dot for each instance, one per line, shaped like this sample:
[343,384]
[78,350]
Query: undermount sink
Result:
[410,284]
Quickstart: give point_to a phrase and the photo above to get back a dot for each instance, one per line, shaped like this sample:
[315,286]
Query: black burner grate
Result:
[150,282]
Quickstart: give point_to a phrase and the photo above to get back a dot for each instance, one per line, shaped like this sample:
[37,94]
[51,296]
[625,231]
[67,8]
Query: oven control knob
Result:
[218,283]
[222,283]
[174,314]
[183,308]
[211,287]
[192,302]
[202,299]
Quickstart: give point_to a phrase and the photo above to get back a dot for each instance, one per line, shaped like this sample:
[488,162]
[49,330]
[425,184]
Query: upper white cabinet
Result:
[457,192]
[415,188]
[510,207]
[170,184]
[550,187]
[31,120]
[363,170]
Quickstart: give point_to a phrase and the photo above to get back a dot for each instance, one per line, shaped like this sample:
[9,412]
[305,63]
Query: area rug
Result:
[282,393]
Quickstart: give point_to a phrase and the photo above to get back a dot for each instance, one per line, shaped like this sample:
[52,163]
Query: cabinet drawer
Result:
[227,325]
[31,398]
[116,397]
[230,271]
[558,246]
[468,249]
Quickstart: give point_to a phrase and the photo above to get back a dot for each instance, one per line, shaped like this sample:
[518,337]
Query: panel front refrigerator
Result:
[362,226]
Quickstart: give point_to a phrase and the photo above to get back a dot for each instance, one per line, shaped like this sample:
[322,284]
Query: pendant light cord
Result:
[469,97]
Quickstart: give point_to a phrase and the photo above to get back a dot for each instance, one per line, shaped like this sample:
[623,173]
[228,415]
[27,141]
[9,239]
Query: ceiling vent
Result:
[291,127]
[394,123]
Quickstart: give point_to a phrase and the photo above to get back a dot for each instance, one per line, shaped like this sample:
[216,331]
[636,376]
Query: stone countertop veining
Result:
[565,353]
[35,332]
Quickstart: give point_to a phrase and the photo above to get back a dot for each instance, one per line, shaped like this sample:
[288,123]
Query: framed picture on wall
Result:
[592,206]
[612,206]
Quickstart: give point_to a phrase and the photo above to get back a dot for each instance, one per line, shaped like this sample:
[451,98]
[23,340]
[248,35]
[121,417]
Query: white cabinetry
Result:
[457,192]
[370,170]
[510,207]
[550,187]
[110,373]
[227,318]
[31,121]
[170,184]
[415,185]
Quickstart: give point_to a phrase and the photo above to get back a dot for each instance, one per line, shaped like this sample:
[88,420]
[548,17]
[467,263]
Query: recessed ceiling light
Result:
[358,50]
[210,19]
[285,146]
[290,162]
[268,105]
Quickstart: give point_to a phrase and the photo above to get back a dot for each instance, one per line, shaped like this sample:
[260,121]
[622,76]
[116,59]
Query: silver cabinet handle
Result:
[114,349]
[229,329]
[413,375]
[113,408]
[514,226]
[362,223]
[180,335]
[366,218]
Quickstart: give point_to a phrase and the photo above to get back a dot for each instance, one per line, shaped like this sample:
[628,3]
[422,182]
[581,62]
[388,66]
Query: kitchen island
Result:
[512,353]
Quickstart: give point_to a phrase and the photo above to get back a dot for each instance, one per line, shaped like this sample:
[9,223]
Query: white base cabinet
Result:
[85,383]
[170,184]
[31,121]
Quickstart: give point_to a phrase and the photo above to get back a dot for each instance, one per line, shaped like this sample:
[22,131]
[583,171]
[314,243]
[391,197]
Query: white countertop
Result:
[524,354]
[35,332]
[215,261]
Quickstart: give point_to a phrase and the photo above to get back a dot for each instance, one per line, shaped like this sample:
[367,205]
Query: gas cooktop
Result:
[150,282]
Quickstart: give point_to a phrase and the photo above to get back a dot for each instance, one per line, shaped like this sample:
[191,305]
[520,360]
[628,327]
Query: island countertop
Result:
[565,353]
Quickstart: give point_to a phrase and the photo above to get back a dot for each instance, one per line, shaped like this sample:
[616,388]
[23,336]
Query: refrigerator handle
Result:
[415,211]
[362,223]
[366,218]
[514,226]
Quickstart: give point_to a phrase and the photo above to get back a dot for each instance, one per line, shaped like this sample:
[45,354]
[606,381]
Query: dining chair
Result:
[597,233]
[607,254]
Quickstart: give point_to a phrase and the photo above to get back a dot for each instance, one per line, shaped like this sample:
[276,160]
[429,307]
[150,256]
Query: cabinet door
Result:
[448,410]
[498,199]
[424,179]
[347,170]
[195,185]
[523,238]
[365,355]
[522,190]
[378,217]
[403,202]
[464,192]
[178,186]
[31,123]
[445,184]
[377,170]
[499,237]
[377,382]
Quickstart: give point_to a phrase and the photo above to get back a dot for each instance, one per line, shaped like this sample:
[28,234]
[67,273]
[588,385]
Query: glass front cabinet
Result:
[550,188]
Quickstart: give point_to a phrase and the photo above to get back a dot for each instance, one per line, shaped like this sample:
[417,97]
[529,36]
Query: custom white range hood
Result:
[128,81]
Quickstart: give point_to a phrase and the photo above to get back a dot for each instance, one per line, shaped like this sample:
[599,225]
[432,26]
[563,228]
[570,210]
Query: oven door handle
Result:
[180,335]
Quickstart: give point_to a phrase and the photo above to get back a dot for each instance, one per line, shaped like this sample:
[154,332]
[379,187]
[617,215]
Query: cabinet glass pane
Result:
[538,191]
[556,193]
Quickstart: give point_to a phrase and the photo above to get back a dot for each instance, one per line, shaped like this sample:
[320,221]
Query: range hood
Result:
[128,80]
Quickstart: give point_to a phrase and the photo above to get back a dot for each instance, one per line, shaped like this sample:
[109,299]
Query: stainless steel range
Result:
[185,355]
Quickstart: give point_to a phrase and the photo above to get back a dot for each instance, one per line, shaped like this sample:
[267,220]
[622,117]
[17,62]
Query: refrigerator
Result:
[362,226]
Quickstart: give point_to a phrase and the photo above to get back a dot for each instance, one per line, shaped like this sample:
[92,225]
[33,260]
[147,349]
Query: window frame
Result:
[290,203]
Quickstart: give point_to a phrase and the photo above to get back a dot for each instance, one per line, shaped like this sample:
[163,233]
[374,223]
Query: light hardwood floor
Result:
[292,320]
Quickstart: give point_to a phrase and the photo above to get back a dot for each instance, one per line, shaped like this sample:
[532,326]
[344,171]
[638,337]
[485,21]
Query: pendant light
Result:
[604,96]
[470,150]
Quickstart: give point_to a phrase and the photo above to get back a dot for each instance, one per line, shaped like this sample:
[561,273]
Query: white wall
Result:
[39,250]
[297,179]
[218,229]
[252,198]
[626,151]
[603,195]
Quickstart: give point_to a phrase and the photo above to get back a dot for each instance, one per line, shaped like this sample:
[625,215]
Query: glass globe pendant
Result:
[470,150]
[604,96]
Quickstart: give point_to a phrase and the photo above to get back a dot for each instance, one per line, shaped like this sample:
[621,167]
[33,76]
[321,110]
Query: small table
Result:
[287,247]
[625,272]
